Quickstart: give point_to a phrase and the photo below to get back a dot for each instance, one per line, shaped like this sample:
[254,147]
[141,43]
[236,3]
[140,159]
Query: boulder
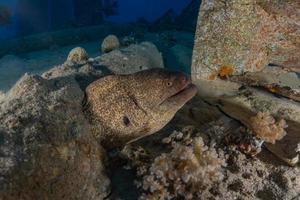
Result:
[47,148]
[246,36]
[131,59]
[243,61]
[110,43]
[77,55]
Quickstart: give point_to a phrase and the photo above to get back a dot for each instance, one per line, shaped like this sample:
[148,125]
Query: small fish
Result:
[5,15]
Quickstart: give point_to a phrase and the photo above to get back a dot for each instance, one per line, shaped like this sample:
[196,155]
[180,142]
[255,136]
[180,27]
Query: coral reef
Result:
[244,177]
[267,128]
[183,173]
[77,55]
[110,43]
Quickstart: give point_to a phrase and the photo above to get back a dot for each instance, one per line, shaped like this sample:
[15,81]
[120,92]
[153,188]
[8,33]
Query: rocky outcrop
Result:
[246,35]
[237,46]
[47,149]
[131,59]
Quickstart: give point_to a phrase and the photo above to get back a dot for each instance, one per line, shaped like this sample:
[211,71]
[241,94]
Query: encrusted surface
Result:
[246,35]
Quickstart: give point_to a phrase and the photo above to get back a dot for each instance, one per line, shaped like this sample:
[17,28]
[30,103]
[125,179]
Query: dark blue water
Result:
[37,34]
[33,16]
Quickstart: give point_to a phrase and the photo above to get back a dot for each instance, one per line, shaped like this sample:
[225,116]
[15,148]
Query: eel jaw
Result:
[181,97]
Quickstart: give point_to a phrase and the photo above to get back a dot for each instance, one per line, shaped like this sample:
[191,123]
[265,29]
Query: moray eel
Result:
[123,108]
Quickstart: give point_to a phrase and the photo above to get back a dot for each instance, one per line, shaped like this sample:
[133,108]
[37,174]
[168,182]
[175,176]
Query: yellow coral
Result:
[267,128]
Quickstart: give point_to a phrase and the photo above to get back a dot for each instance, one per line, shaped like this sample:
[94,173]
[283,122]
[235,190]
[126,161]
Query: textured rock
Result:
[246,36]
[77,55]
[132,59]
[235,42]
[249,101]
[47,148]
[110,43]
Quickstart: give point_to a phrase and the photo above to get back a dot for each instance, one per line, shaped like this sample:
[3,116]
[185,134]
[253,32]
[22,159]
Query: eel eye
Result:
[169,84]
[126,121]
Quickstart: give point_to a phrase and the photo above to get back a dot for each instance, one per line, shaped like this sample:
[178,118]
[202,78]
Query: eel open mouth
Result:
[183,96]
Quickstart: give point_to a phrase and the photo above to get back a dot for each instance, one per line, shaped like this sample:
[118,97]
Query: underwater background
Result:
[38,34]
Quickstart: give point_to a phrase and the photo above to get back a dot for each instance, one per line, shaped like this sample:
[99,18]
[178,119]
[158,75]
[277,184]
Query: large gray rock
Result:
[47,150]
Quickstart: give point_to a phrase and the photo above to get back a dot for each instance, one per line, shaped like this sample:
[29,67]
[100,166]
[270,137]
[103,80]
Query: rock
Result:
[246,36]
[77,55]
[128,40]
[2,95]
[227,63]
[70,69]
[132,59]
[274,80]
[110,43]
[249,101]
[47,148]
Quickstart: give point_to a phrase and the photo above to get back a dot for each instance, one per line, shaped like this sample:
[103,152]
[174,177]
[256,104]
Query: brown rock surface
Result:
[246,35]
